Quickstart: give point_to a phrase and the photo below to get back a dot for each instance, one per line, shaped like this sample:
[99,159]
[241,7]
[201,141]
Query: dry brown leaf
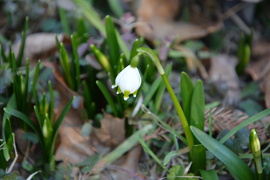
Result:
[259,70]
[222,73]
[39,46]
[156,22]
[73,147]
[112,131]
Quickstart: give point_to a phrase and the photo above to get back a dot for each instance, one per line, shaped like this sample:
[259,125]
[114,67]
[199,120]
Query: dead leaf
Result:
[156,21]
[73,147]
[223,74]
[112,131]
[259,70]
[39,46]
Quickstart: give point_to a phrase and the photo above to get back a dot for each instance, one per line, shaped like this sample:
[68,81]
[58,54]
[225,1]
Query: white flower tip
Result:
[118,92]
[114,86]
[125,98]
[134,95]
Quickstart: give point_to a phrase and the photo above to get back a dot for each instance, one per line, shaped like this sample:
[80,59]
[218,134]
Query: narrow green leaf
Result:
[151,153]
[21,52]
[64,60]
[113,47]
[3,55]
[210,174]
[90,14]
[108,97]
[186,87]
[51,102]
[197,107]
[58,123]
[168,157]
[125,146]
[75,59]
[237,168]
[24,118]
[64,21]
[198,157]
[102,59]
[252,119]
[136,44]
[60,119]
[116,7]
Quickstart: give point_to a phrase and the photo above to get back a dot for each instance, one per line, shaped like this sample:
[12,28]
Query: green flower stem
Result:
[155,59]
[179,111]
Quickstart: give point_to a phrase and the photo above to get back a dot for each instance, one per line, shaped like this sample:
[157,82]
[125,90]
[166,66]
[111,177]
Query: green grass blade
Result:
[116,7]
[91,15]
[51,105]
[64,21]
[136,44]
[113,47]
[187,88]
[76,63]
[3,55]
[21,52]
[24,118]
[124,147]
[102,59]
[108,97]
[252,119]
[151,153]
[237,168]
[64,60]
[60,119]
[57,125]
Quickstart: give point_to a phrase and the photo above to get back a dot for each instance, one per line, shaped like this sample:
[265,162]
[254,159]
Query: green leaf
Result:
[151,153]
[168,157]
[64,60]
[198,157]
[113,47]
[108,97]
[197,107]
[102,59]
[75,60]
[23,117]
[21,52]
[187,87]
[64,21]
[125,146]
[136,44]
[252,119]
[210,174]
[116,7]
[237,168]
[60,119]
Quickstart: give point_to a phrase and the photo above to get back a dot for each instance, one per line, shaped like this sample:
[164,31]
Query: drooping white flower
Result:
[128,81]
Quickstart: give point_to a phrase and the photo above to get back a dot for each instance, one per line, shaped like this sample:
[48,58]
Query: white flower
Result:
[128,81]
